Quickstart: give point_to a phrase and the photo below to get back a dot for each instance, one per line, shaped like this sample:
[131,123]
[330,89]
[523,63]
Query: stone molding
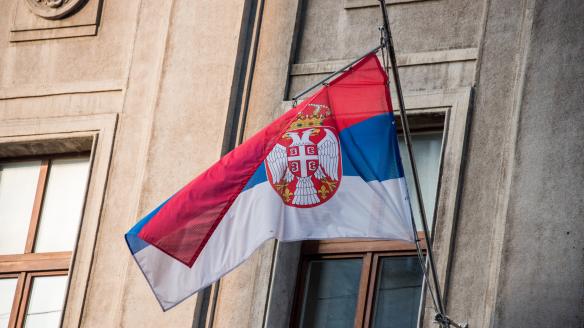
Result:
[409,59]
[41,90]
[35,20]
[54,9]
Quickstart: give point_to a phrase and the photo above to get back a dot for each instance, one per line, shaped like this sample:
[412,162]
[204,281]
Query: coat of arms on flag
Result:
[328,168]
[304,165]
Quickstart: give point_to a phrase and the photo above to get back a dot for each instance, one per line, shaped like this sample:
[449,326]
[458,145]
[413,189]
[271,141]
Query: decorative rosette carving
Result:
[54,9]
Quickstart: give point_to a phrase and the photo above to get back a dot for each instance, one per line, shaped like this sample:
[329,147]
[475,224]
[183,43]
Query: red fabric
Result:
[185,223]
[359,93]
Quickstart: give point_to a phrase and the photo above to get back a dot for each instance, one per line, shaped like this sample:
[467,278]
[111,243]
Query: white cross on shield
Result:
[303,160]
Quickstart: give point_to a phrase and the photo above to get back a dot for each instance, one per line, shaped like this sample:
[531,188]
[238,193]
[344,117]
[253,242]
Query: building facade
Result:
[109,107]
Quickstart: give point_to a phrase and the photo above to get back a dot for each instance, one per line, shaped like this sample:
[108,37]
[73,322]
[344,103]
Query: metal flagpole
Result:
[408,142]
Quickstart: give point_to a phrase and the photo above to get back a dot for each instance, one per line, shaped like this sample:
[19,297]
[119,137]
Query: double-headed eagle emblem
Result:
[304,166]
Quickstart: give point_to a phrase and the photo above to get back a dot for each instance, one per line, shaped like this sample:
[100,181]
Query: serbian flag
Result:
[328,168]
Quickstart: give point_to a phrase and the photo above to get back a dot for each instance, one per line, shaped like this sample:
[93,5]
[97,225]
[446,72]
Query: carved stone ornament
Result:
[54,9]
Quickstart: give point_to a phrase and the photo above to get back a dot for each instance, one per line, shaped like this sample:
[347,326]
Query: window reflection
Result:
[45,305]
[18,183]
[427,149]
[7,288]
[62,205]
[397,293]
[330,296]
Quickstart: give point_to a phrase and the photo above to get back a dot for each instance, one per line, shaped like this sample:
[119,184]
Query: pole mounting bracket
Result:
[445,321]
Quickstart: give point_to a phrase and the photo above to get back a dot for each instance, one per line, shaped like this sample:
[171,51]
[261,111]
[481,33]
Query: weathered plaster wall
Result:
[182,134]
[166,70]
[334,31]
[69,60]
[519,259]
[476,248]
[542,266]
[69,76]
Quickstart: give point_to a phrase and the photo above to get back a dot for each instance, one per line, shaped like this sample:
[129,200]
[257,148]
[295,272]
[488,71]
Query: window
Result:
[358,283]
[41,204]
[427,147]
[355,283]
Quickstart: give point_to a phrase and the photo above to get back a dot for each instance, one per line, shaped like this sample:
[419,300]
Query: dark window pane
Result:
[330,295]
[397,295]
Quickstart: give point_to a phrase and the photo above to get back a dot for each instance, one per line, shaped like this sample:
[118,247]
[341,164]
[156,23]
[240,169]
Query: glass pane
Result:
[18,183]
[398,291]
[7,288]
[427,148]
[330,295]
[62,205]
[45,304]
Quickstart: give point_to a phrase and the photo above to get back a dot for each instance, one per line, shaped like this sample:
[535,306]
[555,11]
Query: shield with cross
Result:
[304,167]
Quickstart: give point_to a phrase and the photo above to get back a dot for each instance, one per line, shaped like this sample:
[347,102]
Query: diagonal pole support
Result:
[333,74]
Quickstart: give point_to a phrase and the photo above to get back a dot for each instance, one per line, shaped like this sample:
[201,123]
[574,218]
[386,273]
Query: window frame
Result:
[371,251]
[27,265]
[25,137]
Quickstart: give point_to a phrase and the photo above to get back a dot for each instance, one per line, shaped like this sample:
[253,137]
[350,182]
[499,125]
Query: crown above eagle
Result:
[312,119]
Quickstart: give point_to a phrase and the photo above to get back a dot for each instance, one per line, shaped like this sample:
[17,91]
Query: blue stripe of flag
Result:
[369,149]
